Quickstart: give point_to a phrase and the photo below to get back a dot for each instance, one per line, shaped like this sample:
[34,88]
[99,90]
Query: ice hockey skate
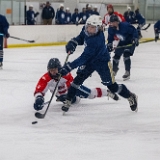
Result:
[156,37]
[66,106]
[126,76]
[1,65]
[133,102]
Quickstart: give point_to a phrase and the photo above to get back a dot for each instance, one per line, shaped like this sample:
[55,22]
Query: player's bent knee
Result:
[78,80]
[113,88]
[127,53]
[116,57]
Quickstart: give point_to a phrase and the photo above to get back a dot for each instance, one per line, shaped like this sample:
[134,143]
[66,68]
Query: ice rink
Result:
[98,129]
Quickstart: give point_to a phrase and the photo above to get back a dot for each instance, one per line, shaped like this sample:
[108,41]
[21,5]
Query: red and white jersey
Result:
[106,19]
[46,83]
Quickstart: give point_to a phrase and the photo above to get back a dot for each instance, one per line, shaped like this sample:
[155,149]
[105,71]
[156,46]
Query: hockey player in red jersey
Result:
[110,11]
[49,80]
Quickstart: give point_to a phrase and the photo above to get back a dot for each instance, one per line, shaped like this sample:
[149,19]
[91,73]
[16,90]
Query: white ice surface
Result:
[98,129]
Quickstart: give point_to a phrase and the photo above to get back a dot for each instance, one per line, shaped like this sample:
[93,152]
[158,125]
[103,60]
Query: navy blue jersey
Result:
[30,17]
[89,12]
[140,18]
[60,16]
[157,25]
[75,17]
[95,49]
[129,17]
[95,12]
[4,25]
[84,17]
[67,18]
[125,34]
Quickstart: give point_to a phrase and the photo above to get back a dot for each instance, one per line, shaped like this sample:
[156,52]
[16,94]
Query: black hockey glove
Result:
[65,69]
[38,105]
[109,47]
[135,42]
[71,46]
[7,35]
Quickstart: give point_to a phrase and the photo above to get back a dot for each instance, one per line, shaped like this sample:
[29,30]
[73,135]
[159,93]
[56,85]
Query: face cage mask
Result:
[90,34]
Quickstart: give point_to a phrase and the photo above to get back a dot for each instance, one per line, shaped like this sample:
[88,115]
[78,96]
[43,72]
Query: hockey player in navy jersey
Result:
[75,16]
[31,15]
[141,22]
[95,57]
[129,16]
[127,39]
[157,30]
[83,16]
[67,16]
[4,25]
[60,15]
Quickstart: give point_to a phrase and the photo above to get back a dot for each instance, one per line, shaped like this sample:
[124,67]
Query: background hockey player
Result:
[95,57]
[75,16]
[110,11]
[140,20]
[49,80]
[83,16]
[157,30]
[127,36]
[4,25]
[31,15]
[67,16]
[129,16]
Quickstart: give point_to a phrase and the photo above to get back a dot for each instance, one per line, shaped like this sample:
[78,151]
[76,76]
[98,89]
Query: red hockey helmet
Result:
[109,6]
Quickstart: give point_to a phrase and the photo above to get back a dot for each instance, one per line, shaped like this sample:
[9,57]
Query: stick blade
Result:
[31,41]
[39,115]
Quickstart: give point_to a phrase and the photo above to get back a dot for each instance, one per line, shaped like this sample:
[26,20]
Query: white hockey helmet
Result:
[129,8]
[61,5]
[94,20]
[31,5]
[67,9]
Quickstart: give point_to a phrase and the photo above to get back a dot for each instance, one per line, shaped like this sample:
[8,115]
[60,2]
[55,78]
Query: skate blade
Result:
[137,104]
[136,110]
[125,79]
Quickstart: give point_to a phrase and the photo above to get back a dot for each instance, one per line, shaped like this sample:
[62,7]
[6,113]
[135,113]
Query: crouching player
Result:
[49,80]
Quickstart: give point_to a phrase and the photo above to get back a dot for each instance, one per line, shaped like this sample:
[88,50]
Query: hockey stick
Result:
[129,45]
[40,115]
[29,41]
[79,22]
[146,27]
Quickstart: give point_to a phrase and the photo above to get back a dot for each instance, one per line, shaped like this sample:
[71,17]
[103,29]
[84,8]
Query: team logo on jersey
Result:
[119,36]
[62,15]
[82,67]
[84,17]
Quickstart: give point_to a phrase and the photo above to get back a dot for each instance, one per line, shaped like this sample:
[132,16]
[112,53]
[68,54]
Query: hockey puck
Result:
[34,122]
